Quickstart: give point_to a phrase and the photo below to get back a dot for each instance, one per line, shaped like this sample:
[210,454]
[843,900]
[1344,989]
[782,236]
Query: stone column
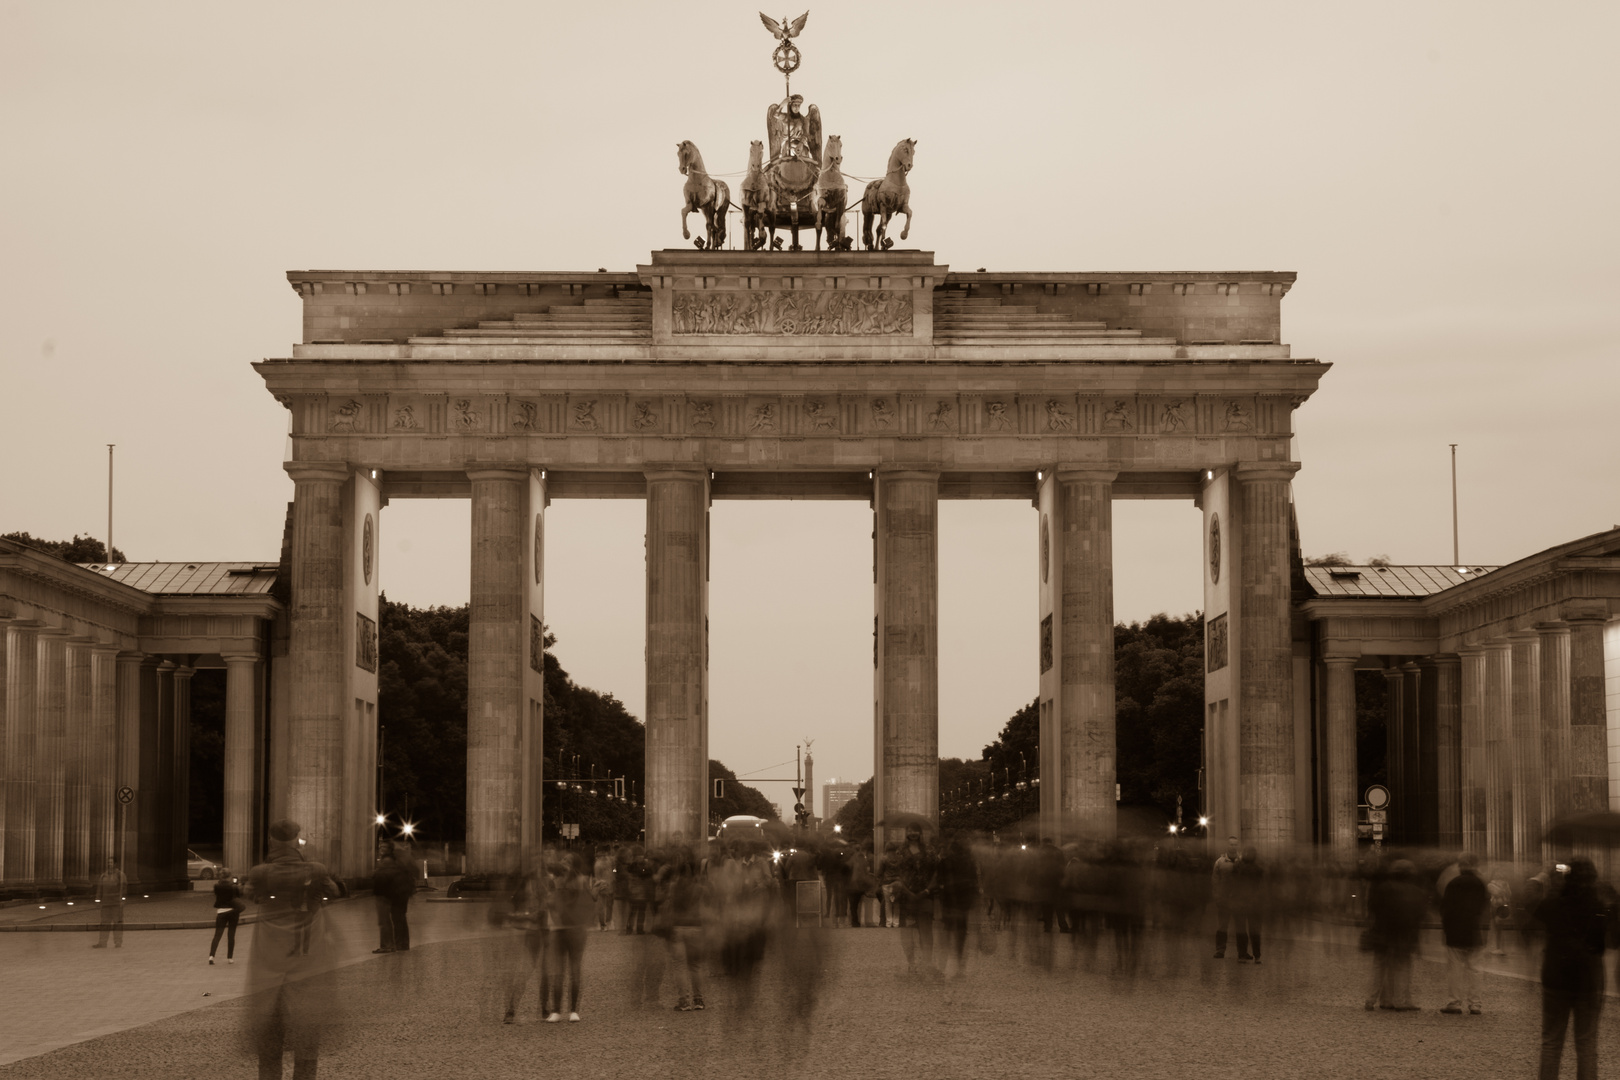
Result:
[1398,768]
[127,769]
[1588,724]
[1446,677]
[180,797]
[1266,654]
[50,780]
[1339,744]
[1419,759]
[316,657]
[102,772]
[677,768]
[1473,780]
[22,737]
[241,787]
[1085,543]
[1525,704]
[497,649]
[78,756]
[908,643]
[157,799]
[1497,701]
[1554,704]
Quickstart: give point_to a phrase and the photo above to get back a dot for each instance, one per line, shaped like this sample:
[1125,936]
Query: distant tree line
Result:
[81,549]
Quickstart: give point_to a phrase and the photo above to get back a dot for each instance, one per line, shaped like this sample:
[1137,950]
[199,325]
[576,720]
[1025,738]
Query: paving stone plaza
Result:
[850,1008]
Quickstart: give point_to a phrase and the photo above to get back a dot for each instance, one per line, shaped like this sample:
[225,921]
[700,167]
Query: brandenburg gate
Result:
[878,375]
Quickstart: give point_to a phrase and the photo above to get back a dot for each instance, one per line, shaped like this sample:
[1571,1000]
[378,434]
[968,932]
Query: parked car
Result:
[199,868]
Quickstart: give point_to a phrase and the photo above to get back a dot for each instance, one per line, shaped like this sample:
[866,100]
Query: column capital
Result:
[240,658]
[677,472]
[334,472]
[906,472]
[1584,611]
[1553,628]
[476,472]
[1251,471]
[1341,659]
[1065,475]
[1523,636]
[1445,660]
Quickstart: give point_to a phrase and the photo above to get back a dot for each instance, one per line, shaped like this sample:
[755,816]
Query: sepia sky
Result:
[1441,176]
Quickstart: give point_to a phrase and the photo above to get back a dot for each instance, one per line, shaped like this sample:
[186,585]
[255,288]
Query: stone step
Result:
[508,333]
[1027,320]
[1100,339]
[558,320]
[1022,332]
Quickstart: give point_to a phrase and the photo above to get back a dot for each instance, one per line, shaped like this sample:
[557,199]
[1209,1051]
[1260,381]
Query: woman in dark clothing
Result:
[227,913]
[1396,906]
[958,878]
[1579,918]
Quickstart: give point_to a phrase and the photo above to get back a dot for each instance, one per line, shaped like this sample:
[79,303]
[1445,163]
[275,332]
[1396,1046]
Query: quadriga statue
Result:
[887,197]
[702,194]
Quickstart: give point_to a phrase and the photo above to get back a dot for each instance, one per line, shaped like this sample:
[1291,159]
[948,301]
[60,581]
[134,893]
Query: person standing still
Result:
[385,886]
[1465,907]
[228,908]
[110,890]
[912,880]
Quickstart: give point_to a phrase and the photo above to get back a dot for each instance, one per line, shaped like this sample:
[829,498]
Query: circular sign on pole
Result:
[1377,796]
[126,794]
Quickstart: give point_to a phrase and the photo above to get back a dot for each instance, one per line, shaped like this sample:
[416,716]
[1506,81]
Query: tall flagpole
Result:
[109,500]
[1456,554]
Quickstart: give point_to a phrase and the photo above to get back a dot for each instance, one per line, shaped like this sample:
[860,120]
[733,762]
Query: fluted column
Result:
[241,789]
[1446,676]
[50,791]
[1396,764]
[180,795]
[78,754]
[1474,774]
[677,766]
[1266,654]
[1414,752]
[1085,544]
[131,759]
[497,649]
[907,504]
[102,769]
[317,659]
[1588,724]
[1498,714]
[1339,676]
[22,737]
[1554,694]
[157,799]
[1525,704]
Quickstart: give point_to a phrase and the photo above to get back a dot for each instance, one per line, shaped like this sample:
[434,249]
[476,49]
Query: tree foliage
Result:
[81,549]
[1159,711]
[736,797]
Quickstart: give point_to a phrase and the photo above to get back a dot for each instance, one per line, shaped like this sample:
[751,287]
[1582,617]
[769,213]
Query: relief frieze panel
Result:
[799,313]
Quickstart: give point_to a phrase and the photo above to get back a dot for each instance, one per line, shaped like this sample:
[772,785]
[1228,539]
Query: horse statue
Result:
[889,196]
[756,197]
[832,198]
[711,197]
[788,179]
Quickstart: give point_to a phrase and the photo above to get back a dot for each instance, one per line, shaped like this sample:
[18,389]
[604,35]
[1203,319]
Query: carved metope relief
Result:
[763,418]
[523,416]
[999,416]
[405,419]
[584,416]
[645,416]
[943,416]
[821,415]
[882,414]
[1059,416]
[466,416]
[1237,417]
[700,415]
[836,312]
[1215,648]
[350,416]
[1117,417]
[1173,417]
[365,643]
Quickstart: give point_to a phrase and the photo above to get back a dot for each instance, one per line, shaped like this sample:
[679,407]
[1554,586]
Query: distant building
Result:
[834,794]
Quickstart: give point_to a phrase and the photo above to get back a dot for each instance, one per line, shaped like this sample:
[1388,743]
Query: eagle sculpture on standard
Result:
[784,30]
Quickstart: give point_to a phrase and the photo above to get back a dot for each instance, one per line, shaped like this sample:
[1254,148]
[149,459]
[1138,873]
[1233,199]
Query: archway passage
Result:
[713,375]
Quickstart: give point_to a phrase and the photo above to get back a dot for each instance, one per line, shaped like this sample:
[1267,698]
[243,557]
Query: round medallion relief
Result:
[539,548]
[1046,549]
[1214,548]
[367,539]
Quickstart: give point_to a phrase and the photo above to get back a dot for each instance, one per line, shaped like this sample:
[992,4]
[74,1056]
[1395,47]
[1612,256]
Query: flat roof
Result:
[191,578]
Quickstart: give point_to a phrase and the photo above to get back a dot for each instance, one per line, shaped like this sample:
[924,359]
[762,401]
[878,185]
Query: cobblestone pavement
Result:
[848,1009]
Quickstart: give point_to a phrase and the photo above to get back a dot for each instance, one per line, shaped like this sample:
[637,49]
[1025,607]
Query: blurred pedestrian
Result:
[528,916]
[958,877]
[602,889]
[1396,906]
[911,879]
[111,888]
[1247,901]
[1579,918]
[288,1009]
[1220,888]
[859,881]
[391,888]
[228,908]
[1465,908]
[569,911]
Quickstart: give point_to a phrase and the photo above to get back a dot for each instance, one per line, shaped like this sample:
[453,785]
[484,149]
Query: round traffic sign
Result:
[1377,796]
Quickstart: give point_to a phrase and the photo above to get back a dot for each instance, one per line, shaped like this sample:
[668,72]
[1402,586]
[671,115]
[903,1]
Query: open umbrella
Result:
[1593,825]
[902,819]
